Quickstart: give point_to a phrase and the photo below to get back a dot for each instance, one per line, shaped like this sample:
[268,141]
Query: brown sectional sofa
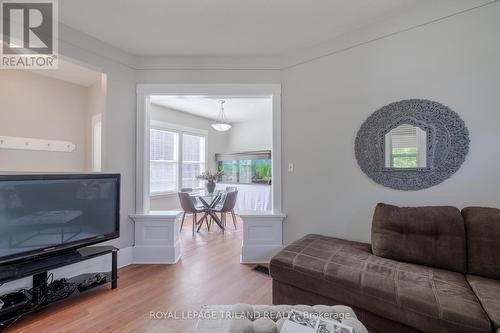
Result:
[428,269]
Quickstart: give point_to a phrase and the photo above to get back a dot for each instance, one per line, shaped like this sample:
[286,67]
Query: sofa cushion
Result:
[483,232]
[431,236]
[425,298]
[488,292]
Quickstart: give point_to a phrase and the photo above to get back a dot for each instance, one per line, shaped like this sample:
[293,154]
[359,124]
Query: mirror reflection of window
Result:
[230,169]
[245,171]
[406,147]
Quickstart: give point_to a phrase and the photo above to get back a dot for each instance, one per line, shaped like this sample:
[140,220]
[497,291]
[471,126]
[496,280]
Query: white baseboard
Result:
[156,255]
[258,254]
[125,256]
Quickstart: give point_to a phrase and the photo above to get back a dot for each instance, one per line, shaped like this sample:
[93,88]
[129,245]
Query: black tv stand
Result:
[39,270]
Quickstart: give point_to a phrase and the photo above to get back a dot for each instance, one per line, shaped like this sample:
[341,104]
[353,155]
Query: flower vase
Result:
[210,187]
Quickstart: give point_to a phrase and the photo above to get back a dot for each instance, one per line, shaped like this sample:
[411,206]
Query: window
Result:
[177,157]
[406,147]
[164,156]
[193,160]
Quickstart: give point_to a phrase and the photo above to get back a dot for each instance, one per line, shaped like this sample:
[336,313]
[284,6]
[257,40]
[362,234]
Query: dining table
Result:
[209,202]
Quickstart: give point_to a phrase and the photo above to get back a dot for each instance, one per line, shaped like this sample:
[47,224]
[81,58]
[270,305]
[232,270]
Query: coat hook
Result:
[36,144]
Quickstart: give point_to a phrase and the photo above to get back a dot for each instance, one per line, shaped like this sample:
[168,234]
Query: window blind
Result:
[163,161]
[404,136]
[193,160]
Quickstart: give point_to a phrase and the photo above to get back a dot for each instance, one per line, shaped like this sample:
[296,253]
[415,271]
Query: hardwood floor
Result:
[209,272]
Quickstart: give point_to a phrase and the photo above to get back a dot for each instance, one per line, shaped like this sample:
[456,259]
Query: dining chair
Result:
[227,206]
[189,207]
[187,190]
[190,190]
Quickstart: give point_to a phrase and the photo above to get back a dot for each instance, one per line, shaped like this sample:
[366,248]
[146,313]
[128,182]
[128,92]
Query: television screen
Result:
[46,213]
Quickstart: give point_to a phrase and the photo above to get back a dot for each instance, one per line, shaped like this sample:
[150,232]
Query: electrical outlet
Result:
[290,167]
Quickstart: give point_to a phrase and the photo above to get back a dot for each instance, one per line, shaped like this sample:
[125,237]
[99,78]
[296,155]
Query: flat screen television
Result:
[42,215]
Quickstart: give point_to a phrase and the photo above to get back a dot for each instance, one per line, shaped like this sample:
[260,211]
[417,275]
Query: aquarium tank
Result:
[245,168]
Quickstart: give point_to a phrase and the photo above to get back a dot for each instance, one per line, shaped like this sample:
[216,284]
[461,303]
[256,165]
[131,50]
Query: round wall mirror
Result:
[412,144]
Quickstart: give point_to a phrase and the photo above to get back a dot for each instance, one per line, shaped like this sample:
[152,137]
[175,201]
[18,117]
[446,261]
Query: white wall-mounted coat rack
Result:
[18,143]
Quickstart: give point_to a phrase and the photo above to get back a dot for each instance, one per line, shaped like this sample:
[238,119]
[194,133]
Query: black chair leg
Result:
[208,224]
[233,215]
[194,222]
[182,223]
[200,224]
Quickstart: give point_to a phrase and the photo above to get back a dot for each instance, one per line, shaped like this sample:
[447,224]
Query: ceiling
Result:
[237,110]
[224,27]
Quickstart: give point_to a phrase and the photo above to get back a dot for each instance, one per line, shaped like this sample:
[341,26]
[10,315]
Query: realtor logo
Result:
[29,34]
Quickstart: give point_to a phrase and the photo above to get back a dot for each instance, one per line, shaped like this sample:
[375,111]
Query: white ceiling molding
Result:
[427,13]
[222,27]
[212,63]
[74,39]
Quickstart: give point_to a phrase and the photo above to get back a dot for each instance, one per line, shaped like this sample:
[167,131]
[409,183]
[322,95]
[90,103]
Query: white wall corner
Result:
[125,256]
[262,237]
[156,238]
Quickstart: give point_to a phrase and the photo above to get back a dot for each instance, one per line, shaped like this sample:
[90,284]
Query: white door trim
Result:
[144,91]
[255,247]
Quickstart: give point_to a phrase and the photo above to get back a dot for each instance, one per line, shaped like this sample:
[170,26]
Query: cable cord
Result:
[40,302]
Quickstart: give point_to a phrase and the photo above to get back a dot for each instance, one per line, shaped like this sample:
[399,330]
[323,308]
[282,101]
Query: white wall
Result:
[119,118]
[118,137]
[255,134]
[217,142]
[35,106]
[119,122]
[38,106]
[454,62]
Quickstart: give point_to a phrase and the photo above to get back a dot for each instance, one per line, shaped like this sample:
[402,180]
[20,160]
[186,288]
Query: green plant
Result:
[211,176]
[261,170]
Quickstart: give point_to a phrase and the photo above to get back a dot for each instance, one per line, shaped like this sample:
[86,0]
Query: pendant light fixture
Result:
[221,124]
